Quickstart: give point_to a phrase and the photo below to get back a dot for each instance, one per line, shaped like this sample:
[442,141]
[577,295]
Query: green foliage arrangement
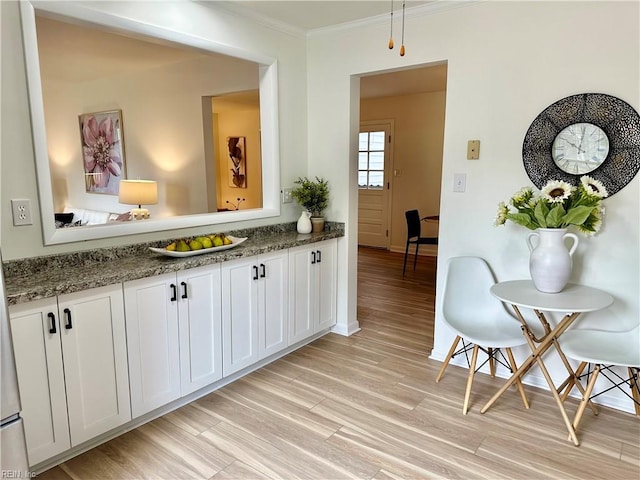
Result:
[558,205]
[312,195]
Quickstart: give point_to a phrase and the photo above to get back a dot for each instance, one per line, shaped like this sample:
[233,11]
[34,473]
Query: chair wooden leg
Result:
[472,371]
[406,253]
[492,362]
[570,382]
[449,355]
[585,397]
[635,388]
[573,381]
[415,258]
[514,367]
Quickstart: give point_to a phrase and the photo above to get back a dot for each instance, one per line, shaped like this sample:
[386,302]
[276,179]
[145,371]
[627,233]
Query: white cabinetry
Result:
[174,335]
[312,289]
[254,309]
[83,370]
[200,323]
[152,342]
[71,360]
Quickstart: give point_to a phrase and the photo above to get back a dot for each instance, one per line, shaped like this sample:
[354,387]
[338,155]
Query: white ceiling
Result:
[307,15]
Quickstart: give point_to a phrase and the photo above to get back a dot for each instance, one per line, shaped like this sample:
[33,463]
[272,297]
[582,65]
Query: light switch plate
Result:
[459,182]
[286,195]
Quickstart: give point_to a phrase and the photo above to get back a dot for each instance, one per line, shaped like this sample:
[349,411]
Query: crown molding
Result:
[435,6]
[235,8]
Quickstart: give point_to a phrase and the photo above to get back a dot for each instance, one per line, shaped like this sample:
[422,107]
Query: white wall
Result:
[507,61]
[162,129]
[18,165]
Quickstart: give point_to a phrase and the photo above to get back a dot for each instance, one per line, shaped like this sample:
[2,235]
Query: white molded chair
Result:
[604,350]
[479,319]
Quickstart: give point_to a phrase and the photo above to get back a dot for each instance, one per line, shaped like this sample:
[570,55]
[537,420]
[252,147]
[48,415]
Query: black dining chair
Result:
[413,237]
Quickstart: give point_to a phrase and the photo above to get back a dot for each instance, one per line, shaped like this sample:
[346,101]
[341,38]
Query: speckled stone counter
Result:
[48,276]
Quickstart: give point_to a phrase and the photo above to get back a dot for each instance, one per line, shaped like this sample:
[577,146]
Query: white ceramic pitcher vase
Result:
[551,262]
[304,222]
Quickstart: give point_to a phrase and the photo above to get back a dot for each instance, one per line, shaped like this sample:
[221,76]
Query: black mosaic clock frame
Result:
[619,121]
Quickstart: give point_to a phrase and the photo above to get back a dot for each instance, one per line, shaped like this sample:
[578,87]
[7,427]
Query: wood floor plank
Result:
[367,407]
[239,471]
[191,419]
[202,459]
[271,459]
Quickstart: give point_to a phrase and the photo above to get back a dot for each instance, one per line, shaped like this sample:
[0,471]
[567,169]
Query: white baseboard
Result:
[346,330]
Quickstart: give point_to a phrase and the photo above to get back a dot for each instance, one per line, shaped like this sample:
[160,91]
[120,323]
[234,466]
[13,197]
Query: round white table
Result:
[571,301]
[574,298]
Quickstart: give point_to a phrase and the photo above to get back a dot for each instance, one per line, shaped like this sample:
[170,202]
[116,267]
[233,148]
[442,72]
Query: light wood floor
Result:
[367,407]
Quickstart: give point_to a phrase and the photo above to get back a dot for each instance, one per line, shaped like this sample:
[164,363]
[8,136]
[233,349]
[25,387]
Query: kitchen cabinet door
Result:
[326,288]
[312,289]
[152,342]
[94,349]
[239,314]
[273,293]
[200,323]
[35,328]
[302,283]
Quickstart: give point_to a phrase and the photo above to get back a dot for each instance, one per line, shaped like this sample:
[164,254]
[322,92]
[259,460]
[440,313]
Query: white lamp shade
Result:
[138,192]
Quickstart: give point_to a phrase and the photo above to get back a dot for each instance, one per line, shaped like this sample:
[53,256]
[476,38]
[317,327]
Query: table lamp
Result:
[138,192]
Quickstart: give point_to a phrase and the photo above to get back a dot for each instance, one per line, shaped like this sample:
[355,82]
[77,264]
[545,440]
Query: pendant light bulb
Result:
[402,46]
[391,32]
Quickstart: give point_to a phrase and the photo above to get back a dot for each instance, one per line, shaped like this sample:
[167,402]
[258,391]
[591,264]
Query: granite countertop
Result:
[42,277]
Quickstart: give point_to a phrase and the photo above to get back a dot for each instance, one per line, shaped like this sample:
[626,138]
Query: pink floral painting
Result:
[102,151]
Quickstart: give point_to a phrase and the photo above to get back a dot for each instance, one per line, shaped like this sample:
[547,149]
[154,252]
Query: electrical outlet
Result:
[21,210]
[286,195]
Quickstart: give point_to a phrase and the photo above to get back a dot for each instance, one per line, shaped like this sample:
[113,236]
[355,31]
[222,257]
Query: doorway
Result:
[375,154]
[413,101]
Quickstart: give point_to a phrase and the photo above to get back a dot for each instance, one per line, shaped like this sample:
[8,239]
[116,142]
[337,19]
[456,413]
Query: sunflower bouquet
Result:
[558,205]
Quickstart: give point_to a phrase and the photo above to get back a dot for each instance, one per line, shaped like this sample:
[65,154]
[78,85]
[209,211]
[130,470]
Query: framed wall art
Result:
[102,144]
[237,162]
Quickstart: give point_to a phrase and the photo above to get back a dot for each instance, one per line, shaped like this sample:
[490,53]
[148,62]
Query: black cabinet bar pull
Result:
[319,255]
[313,258]
[263,270]
[184,289]
[67,313]
[255,272]
[52,317]
[174,293]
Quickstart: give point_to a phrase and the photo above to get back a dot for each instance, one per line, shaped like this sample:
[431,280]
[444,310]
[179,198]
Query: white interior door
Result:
[374,185]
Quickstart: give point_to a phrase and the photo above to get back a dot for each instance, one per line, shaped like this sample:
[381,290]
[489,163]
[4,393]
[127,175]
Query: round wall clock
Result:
[589,133]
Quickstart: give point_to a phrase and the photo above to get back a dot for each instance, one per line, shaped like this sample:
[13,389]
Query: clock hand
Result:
[574,146]
[580,149]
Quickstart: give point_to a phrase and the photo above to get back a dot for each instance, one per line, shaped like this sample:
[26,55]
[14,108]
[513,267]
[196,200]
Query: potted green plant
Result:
[313,196]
